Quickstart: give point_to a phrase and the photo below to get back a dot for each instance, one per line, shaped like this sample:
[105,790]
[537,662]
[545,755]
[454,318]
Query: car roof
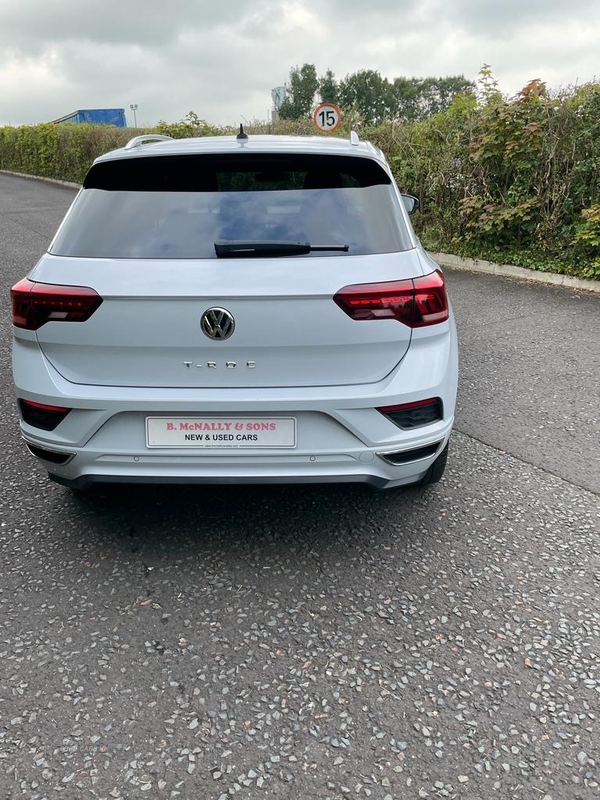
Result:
[144,146]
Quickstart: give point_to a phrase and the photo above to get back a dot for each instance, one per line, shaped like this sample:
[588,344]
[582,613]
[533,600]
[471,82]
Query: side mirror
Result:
[411,203]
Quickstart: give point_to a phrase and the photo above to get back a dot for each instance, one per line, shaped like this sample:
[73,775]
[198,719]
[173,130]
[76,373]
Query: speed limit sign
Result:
[327,117]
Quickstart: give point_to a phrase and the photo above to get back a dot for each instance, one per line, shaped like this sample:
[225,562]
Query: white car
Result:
[237,309]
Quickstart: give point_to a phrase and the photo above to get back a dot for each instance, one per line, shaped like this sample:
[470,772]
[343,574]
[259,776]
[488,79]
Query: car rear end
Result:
[215,311]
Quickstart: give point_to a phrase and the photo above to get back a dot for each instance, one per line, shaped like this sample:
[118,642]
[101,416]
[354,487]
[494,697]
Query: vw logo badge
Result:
[217,323]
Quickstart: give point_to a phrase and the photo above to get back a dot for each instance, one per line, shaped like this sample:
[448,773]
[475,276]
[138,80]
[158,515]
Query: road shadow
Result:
[258,522]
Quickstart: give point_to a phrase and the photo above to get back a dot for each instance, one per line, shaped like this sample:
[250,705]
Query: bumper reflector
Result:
[408,456]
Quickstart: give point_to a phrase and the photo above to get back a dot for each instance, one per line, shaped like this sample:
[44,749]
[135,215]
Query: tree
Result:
[301,90]
[406,99]
[328,88]
[420,98]
[374,97]
[437,94]
[368,93]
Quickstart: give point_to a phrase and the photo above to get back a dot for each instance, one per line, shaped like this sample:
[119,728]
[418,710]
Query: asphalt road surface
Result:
[319,642]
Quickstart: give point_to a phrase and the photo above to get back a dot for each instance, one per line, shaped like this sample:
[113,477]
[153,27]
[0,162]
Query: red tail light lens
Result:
[394,300]
[415,414]
[41,415]
[34,304]
[416,303]
[431,300]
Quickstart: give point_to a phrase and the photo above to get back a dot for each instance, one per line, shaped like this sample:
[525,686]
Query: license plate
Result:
[221,432]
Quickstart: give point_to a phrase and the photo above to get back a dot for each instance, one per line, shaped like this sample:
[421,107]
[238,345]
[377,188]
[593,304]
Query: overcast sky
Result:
[221,58]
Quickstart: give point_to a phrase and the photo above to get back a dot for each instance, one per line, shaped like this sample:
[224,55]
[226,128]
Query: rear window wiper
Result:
[238,249]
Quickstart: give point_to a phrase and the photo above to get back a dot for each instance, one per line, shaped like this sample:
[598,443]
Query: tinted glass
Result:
[177,207]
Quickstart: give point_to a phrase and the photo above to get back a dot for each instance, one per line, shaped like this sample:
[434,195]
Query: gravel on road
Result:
[303,642]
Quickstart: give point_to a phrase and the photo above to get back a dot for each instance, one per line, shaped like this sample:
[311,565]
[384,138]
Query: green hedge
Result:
[66,151]
[514,181]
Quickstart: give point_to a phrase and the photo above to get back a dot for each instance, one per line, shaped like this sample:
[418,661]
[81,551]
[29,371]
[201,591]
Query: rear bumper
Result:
[341,435]
[86,468]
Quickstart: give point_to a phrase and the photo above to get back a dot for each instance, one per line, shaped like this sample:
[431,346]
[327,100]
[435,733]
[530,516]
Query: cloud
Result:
[221,60]
[33,23]
[501,20]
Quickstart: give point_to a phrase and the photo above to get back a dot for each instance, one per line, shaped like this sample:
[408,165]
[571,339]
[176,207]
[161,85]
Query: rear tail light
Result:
[416,302]
[40,415]
[414,415]
[34,304]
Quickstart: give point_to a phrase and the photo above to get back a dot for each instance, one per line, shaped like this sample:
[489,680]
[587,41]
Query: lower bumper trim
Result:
[87,481]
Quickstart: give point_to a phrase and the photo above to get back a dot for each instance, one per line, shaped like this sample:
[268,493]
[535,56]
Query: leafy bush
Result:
[510,179]
[192,125]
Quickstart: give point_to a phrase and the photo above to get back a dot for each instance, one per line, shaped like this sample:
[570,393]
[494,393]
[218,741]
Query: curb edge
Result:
[70,184]
[511,271]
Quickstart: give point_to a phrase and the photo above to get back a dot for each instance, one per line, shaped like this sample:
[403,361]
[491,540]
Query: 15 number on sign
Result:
[327,117]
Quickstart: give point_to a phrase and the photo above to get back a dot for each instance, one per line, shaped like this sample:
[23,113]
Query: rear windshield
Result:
[179,206]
